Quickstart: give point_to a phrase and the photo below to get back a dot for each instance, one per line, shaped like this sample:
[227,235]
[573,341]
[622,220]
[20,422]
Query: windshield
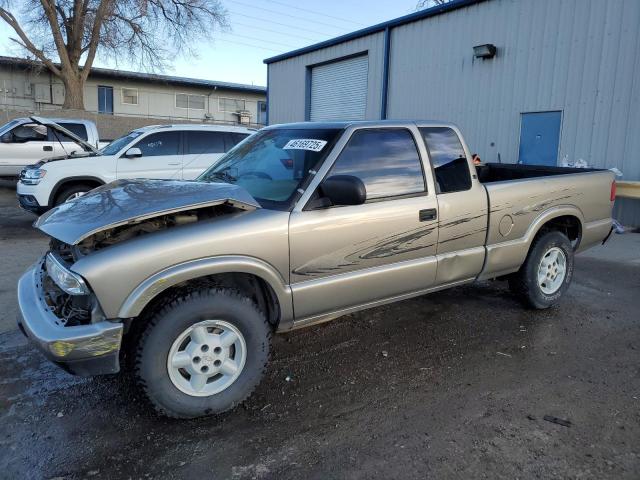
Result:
[8,126]
[119,143]
[272,164]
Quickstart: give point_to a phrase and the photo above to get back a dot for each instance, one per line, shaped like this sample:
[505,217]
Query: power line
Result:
[317,13]
[277,32]
[324,34]
[260,40]
[247,45]
[295,17]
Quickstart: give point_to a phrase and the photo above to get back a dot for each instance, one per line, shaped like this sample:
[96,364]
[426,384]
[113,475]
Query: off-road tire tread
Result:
[153,316]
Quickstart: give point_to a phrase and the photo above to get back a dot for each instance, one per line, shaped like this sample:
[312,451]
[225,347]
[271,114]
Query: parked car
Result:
[25,141]
[192,278]
[156,151]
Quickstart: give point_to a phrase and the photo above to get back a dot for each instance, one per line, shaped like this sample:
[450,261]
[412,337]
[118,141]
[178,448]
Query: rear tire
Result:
[71,192]
[185,362]
[546,273]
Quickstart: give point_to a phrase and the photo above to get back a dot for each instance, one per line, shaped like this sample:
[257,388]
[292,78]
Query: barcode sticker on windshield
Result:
[305,144]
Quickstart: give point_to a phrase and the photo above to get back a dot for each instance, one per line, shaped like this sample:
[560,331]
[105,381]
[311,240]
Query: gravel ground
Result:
[451,385]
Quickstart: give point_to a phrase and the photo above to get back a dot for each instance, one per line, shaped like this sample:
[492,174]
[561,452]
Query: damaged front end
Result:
[58,309]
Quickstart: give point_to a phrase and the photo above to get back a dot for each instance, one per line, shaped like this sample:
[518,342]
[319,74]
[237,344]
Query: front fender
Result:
[157,283]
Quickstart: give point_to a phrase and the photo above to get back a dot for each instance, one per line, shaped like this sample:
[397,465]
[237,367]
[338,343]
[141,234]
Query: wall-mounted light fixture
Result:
[488,50]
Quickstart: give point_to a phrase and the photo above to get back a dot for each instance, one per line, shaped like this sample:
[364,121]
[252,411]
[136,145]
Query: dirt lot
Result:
[451,385]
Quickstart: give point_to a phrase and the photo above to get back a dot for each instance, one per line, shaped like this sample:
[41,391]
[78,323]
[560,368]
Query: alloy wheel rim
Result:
[73,196]
[552,270]
[207,358]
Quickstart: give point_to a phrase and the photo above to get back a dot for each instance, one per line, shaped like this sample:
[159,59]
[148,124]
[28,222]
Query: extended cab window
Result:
[55,136]
[204,142]
[162,143]
[79,129]
[386,160]
[448,159]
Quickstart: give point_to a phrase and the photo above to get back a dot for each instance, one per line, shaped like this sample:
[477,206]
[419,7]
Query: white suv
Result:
[157,151]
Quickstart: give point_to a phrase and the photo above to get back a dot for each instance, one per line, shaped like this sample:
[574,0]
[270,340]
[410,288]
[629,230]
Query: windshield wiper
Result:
[223,175]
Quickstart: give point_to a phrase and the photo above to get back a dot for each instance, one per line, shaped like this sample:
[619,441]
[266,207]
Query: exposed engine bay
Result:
[109,237]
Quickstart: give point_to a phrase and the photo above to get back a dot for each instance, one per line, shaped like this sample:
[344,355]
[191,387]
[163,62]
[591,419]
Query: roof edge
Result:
[99,72]
[412,17]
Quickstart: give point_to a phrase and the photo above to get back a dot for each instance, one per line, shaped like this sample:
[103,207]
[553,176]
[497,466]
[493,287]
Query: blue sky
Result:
[264,28]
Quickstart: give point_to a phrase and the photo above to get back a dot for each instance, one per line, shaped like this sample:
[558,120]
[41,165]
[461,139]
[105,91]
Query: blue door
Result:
[105,99]
[539,138]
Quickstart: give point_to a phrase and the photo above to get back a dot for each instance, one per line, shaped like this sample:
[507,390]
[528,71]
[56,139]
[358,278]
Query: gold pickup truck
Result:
[298,224]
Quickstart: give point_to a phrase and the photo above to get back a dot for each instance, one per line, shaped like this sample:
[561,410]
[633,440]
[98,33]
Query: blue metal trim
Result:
[385,73]
[307,93]
[267,99]
[412,17]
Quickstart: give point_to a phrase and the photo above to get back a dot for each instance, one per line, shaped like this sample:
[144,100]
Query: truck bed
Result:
[498,172]
[522,197]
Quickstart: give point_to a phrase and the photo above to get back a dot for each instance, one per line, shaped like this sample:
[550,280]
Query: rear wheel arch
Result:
[568,224]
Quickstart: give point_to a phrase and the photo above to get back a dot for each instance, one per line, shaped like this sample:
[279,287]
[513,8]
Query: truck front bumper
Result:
[91,349]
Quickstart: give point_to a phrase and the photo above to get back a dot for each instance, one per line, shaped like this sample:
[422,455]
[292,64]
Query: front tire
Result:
[202,353]
[71,193]
[546,273]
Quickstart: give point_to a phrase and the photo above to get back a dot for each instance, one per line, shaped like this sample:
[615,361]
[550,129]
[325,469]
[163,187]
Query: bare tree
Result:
[62,34]
[422,4]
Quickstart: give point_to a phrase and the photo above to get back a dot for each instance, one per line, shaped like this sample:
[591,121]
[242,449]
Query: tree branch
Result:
[94,39]
[50,12]
[27,43]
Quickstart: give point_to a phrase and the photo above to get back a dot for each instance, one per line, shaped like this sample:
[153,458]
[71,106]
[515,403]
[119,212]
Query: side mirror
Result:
[133,152]
[7,138]
[344,190]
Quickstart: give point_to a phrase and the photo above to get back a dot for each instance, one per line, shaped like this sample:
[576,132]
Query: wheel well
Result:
[567,224]
[253,286]
[93,182]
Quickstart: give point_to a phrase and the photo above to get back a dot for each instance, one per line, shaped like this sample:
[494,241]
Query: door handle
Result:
[427,214]
[173,164]
[47,148]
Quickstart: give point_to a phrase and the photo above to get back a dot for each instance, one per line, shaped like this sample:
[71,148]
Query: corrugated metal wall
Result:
[578,56]
[288,79]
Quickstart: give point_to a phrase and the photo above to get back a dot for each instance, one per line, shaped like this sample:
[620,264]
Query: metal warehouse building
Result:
[544,81]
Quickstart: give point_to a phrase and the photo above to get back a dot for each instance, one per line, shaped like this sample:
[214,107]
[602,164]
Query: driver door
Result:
[161,157]
[24,145]
[345,257]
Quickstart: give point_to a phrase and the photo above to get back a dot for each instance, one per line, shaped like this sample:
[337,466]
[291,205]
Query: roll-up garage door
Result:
[339,90]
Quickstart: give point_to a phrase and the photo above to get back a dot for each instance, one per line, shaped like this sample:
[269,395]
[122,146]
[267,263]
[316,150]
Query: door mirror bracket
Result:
[133,152]
[341,190]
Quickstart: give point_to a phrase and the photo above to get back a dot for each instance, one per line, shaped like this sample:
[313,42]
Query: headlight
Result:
[68,281]
[32,176]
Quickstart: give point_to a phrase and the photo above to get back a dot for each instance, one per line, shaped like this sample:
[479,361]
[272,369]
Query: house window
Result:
[231,104]
[105,99]
[130,96]
[194,102]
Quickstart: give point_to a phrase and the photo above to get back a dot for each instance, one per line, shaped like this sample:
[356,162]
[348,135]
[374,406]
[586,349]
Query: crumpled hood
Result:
[130,201]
